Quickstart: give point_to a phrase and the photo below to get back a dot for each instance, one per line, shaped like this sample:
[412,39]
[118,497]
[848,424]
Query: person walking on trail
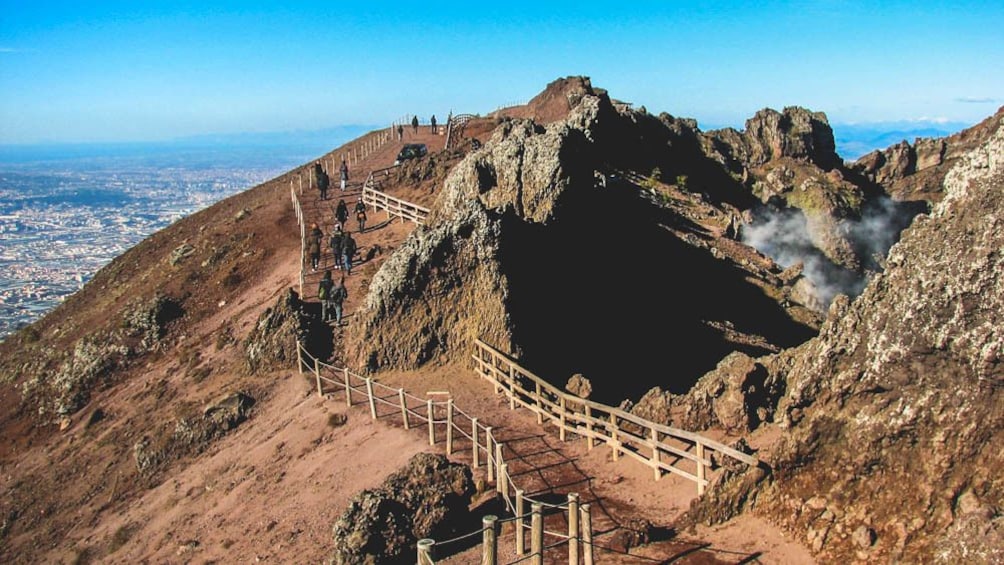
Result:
[414,124]
[344,170]
[322,180]
[341,213]
[338,296]
[314,246]
[400,132]
[360,211]
[336,245]
[432,123]
[348,252]
[325,294]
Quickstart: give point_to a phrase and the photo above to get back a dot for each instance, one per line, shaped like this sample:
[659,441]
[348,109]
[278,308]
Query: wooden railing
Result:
[443,419]
[298,210]
[395,207]
[661,447]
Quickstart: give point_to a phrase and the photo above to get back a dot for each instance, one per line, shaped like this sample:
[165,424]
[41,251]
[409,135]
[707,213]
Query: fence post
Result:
[504,481]
[585,516]
[489,540]
[449,426]
[613,436]
[348,388]
[299,358]
[512,387]
[317,375]
[655,454]
[700,468]
[589,428]
[432,428]
[489,462]
[474,442]
[573,528]
[404,407]
[299,177]
[425,551]
[498,467]
[520,523]
[540,409]
[536,534]
[562,420]
[369,393]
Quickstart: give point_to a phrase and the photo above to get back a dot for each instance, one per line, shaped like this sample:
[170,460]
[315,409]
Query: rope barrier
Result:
[460,537]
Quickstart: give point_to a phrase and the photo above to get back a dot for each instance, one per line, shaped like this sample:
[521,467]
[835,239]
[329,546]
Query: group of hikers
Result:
[343,247]
[414,127]
[322,178]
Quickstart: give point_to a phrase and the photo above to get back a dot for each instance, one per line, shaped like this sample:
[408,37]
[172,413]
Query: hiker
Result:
[432,123]
[336,245]
[348,251]
[341,213]
[338,296]
[360,210]
[325,295]
[344,169]
[314,246]
[322,180]
[414,124]
[400,132]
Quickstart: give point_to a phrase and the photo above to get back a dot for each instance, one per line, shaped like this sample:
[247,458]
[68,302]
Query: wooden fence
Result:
[446,422]
[298,210]
[395,207]
[663,448]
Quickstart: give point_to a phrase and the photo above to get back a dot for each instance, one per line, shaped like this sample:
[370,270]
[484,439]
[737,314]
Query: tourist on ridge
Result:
[338,296]
[322,180]
[360,210]
[348,252]
[432,123]
[325,294]
[314,249]
[341,213]
[344,169]
[414,124]
[400,132]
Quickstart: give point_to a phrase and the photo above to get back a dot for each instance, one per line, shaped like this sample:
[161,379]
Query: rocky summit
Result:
[840,320]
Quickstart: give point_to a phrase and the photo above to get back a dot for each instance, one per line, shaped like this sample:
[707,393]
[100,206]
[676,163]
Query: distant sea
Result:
[67,210]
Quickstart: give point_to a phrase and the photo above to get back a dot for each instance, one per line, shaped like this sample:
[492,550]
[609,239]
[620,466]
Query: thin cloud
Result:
[968,100]
[13,50]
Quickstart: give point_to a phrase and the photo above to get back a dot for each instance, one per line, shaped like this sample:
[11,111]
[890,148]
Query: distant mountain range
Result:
[855,140]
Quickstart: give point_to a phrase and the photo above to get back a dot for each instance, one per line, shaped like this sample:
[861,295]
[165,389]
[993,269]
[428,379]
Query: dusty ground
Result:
[270,490]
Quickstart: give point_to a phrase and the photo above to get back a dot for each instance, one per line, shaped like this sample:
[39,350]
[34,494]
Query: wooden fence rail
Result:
[663,448]
[451,422]
[395,207]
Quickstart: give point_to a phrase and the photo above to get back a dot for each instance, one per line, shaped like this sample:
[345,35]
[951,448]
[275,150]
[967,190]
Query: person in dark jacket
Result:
[338,296]
[336,245]
[325,291]
[348,252]
[432,124]
[414,124]
[314,239]
[344,170]
[341,213]
[322,180]
[360,211]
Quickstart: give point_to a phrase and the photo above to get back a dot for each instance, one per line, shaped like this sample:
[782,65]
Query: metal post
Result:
[489,540]
[536,534]
[573,528]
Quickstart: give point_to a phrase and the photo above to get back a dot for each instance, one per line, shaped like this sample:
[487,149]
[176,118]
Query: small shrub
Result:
[337,419]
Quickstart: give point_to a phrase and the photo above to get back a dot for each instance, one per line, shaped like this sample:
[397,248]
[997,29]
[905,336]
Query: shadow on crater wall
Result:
[605,290]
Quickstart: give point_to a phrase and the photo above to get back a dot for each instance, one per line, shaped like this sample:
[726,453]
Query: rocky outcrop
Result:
[737,396]
[894,412]
[795,132]
[429,498]
[271,345]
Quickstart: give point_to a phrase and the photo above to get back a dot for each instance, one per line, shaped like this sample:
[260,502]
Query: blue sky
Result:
[147,71]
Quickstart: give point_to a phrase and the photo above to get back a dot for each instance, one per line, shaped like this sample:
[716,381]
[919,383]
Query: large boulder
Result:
[428,498]
[737,395]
